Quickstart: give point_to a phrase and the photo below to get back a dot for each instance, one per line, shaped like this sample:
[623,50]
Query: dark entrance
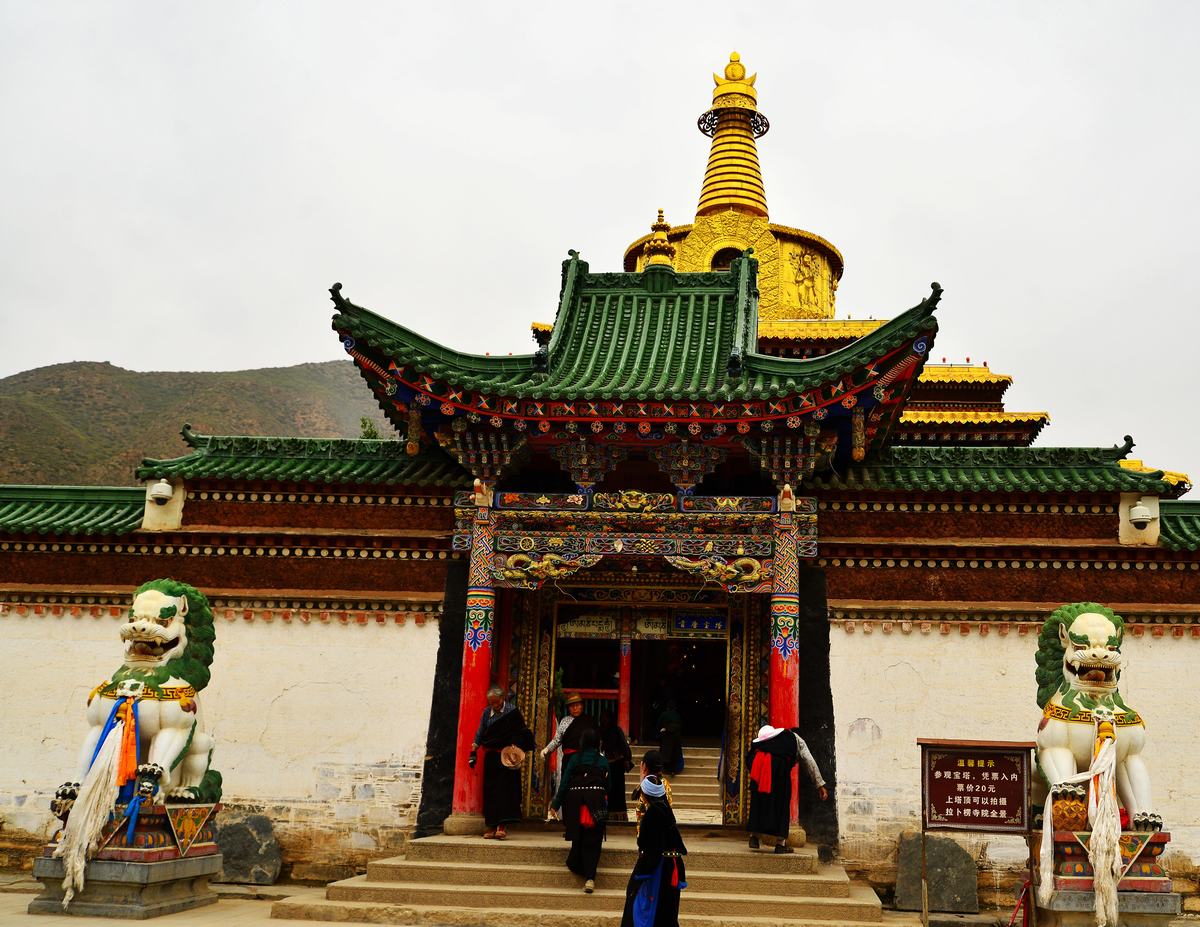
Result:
[688,674]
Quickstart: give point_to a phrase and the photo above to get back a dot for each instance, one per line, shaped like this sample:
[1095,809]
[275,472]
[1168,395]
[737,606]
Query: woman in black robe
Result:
[652,897]
[770,760]
[501,726]
[615,747]
[583,798]
[670,739]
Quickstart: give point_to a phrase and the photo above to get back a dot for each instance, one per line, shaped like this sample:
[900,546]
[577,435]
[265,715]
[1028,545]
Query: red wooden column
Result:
[784,709]
[467,806]
[623,683]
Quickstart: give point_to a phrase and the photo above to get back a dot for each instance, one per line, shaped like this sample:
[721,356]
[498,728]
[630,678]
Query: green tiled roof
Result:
[1179,525]
[71,509]
[999,469]
[653,336]
[306,460]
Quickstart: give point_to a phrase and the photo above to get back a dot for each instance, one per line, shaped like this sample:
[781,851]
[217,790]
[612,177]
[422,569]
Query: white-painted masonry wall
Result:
[889,689]
[321,726]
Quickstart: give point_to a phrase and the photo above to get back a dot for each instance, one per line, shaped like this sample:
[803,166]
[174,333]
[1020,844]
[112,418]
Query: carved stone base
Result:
[1141,854]
[134,891]
[797,836]
[1138,909]
[464,825]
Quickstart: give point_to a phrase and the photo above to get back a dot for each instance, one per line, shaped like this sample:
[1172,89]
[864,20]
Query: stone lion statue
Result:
[1078,669]
[146,741]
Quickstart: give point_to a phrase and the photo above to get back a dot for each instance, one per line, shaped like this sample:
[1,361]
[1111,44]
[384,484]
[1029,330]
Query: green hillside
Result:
[91,423]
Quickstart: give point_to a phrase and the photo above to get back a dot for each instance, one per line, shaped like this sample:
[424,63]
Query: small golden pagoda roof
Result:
[658,250]
[970,417]
[962,373]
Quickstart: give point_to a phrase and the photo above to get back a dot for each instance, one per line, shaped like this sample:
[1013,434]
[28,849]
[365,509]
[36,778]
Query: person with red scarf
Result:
[772,755]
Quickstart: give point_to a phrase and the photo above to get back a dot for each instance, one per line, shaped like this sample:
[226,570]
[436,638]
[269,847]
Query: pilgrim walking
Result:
[773,754]
[652,896]
[504,738]
[583,798]
[615,747]
[570,729]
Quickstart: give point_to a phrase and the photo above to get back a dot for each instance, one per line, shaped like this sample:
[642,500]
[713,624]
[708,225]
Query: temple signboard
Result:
[975,785]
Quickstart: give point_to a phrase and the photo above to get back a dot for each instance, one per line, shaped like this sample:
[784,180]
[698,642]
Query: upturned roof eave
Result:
[405,345]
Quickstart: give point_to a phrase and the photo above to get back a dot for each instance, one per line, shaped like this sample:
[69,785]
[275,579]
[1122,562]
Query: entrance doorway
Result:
[676,659]
[686,675]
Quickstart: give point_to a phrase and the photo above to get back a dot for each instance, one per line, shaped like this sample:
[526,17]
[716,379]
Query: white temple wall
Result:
[891,688]
[320,726]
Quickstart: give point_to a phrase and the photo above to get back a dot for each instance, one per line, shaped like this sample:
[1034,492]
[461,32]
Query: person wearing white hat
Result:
[772,755]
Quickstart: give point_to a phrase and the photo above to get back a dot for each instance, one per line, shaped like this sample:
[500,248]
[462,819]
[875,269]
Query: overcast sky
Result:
[180,183]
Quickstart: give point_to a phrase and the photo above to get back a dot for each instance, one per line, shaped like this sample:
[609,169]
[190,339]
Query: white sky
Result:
[180,183]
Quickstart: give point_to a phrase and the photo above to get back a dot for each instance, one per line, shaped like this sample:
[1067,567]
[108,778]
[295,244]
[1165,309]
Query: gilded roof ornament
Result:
[732,179]
[658,250]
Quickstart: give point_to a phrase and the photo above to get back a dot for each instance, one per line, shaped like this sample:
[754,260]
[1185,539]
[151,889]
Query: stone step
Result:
[860,906]
[688,749]
[681,789]
[826,882]
[540,848]
[442,916]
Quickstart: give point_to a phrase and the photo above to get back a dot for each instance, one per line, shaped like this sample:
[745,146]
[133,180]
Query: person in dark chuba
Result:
[651,767]
[772,755]
[583,798]
[670,738]
[504,738]
[569,730]
[652,897]
[615,747]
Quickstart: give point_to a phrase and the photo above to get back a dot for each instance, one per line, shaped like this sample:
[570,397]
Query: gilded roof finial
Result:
[735,73]
[658,250]
[733,179]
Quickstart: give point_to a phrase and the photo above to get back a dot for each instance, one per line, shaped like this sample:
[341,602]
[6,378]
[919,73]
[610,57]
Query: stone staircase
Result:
[523,881]
[695,792]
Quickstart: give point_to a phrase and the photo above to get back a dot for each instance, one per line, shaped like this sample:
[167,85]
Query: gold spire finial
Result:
[733,180]
[735,70]
[658,250]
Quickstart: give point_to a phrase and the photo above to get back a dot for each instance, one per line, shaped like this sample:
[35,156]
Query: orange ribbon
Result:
[127,760]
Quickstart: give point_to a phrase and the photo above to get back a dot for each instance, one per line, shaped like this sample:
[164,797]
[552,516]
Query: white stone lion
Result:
[145,742]
[1079,667]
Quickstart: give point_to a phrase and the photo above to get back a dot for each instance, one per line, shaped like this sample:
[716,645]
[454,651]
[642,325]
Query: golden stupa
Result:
[798,271]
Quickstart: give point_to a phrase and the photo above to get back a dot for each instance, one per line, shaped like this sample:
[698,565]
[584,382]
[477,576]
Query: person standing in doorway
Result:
[652,896]
[504,738]
[772,755]
[583,798]
[670,738]
[615,747]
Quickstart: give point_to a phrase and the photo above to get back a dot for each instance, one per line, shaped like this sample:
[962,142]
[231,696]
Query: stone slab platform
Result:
[132,891]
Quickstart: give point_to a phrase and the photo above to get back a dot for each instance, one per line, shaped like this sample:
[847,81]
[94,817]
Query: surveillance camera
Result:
[1140,516]
[161,492]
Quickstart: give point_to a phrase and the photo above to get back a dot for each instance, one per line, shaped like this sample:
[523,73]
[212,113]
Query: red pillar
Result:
[784,709]
[623,685]
[477,665]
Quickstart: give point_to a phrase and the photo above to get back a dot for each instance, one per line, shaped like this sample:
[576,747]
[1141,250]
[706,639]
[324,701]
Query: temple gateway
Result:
[701,489]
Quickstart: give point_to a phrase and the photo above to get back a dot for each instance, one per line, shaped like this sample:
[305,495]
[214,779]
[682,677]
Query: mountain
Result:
[92,423]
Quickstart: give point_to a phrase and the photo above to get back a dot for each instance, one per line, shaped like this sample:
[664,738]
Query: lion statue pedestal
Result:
[137,838]
[1102,840]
